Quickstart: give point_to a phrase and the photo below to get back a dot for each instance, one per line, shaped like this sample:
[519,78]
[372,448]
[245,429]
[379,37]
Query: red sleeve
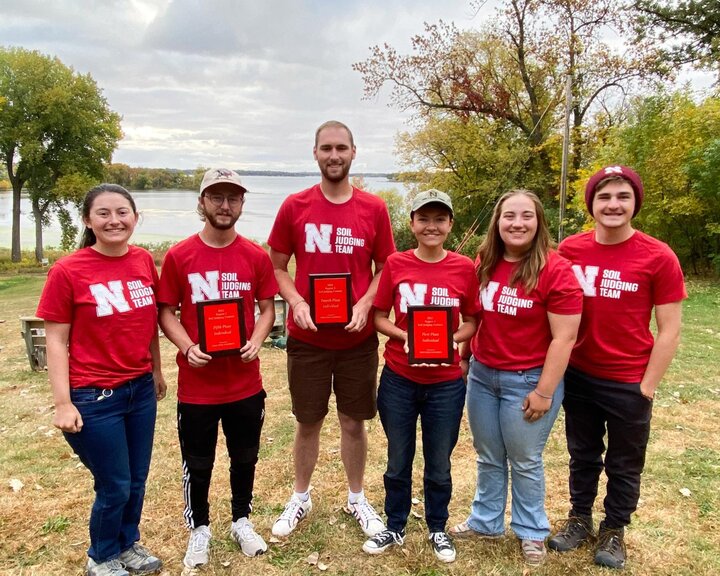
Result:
[280,238]
[267,285]
[668,281]
[385,244]
[168,287]
[565,295]
[56,301]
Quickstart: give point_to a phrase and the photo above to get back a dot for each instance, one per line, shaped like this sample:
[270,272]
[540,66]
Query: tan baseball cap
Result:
[221,176]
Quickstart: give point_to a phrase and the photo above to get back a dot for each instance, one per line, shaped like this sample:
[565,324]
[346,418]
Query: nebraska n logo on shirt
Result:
[611,283]
[109,297]
[214,285]
[319,239]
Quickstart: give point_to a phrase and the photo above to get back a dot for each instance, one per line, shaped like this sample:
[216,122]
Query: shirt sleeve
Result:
[280,238]
[668,281]
[267,285]
[56,301]
[565,295]
[168,286]
[384,244]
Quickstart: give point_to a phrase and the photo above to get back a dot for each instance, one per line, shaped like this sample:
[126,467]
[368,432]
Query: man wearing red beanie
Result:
[616,364]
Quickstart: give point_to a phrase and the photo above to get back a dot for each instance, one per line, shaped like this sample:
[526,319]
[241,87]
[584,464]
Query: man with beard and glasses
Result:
[331,228]
[218,264]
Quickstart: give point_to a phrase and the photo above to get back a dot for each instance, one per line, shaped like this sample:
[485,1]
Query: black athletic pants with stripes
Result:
[198,426]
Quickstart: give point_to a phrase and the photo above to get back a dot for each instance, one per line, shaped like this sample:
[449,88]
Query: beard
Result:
[212,219]
[337,176]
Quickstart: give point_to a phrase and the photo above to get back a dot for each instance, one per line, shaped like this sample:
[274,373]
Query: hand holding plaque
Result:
[330,299]
[430,335]
[221,326]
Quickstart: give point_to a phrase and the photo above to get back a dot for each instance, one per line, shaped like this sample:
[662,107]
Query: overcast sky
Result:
[240,83]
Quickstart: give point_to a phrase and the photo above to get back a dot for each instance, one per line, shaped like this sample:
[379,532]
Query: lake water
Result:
[169,215]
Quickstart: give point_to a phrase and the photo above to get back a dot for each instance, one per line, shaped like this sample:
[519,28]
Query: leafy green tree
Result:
[690,29]
[54,123]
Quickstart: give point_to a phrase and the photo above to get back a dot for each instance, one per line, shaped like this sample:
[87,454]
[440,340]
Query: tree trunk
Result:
[38,213]
[15,252]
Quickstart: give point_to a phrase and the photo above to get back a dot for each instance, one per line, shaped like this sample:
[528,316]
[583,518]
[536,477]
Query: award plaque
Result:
[330,299]
[221,326]
[430,335]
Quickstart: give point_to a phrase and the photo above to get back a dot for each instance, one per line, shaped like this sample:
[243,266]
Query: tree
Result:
[512,72]
[690,29]
[54,123]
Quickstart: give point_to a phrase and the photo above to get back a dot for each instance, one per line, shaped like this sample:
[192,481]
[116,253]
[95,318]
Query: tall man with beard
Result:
[218,263]
[332,227]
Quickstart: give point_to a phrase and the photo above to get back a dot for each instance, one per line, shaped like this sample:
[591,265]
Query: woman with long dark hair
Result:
[104,369]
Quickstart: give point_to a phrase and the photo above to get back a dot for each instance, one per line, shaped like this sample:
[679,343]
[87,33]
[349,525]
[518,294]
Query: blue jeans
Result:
[115,444]
[502,435]
[439,406]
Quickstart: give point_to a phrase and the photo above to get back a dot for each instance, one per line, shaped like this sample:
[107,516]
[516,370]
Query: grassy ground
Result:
[676,530]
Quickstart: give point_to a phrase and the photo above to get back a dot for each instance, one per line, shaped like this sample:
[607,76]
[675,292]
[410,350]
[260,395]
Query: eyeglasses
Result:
[219,199]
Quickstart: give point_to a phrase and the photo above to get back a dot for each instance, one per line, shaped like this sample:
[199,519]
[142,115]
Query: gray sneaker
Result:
[198,549]
[251,543]
[139,560]
[109,568]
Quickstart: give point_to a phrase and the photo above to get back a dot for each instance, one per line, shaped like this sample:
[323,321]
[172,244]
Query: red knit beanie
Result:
[624,172]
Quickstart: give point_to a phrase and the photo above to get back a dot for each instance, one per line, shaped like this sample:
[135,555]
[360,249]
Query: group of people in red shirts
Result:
[530,329]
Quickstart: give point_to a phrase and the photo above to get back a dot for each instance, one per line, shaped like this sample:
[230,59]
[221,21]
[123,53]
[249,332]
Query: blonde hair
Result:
[492,249]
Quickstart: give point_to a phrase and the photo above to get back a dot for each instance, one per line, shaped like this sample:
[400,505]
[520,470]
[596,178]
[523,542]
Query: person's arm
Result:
[66,417]
[361,310]
[385,326]
[262,328]
[300,308]
[158,378]
[668,318]
[563,329]
[177,334]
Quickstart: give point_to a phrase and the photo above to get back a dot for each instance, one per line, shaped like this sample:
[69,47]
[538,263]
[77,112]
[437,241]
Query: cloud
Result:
[236,82]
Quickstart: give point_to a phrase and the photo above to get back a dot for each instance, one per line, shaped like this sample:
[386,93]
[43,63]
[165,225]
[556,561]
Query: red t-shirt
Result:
[109,303]
[622,283]
[407,280]
[329,238]
[515,330]
[192,272]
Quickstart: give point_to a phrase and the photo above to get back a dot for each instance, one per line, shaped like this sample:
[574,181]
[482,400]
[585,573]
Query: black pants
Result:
[242,423]
[594,407]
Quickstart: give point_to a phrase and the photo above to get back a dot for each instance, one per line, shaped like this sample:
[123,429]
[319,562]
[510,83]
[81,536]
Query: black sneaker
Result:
[383,540]
[572,532]
[442,546]
[610,551]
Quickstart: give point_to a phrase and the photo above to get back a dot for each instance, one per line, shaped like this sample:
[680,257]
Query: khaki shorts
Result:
[315,372]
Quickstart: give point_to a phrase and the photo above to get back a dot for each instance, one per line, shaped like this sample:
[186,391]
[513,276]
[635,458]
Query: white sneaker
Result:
[295,510]
[108,568]
[365,514]
[198,547]
[251,543]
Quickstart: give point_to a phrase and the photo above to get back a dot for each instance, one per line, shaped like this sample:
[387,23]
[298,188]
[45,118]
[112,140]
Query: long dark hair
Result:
[88,237]
[533,261]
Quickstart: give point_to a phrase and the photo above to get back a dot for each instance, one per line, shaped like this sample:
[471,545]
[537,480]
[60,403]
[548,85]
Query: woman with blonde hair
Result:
[531,305]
